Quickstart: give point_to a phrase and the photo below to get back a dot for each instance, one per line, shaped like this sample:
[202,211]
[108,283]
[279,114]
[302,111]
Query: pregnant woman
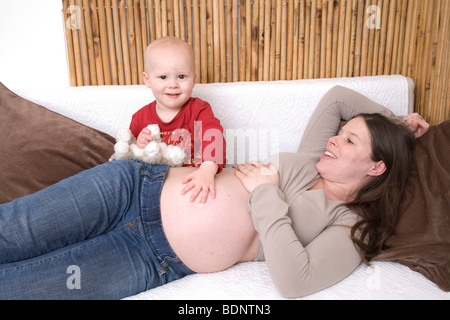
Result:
[123,227]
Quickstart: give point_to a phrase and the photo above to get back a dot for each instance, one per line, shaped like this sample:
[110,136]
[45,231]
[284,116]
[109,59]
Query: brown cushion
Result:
[39,147]
[422,237]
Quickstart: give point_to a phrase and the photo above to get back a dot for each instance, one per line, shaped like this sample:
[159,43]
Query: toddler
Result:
[183,120]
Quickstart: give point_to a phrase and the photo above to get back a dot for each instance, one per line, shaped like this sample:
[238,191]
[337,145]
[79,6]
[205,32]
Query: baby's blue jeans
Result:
[96,235]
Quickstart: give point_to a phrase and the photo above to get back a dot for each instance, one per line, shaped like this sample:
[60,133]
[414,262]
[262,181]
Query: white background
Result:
[32,44]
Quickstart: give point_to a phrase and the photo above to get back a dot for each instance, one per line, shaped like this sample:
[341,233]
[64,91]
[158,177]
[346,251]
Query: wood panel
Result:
[239,40]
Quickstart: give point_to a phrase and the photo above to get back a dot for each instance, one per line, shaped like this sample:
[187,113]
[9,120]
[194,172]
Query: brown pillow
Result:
[422,236]
[39,147]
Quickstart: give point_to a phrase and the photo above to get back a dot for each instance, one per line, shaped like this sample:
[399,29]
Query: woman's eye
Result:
[349,141]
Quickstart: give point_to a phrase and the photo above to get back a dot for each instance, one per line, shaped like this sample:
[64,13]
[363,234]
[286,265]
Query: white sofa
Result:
[272,117]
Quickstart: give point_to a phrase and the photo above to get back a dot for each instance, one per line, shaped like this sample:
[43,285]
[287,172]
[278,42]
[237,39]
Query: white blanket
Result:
[251,281]
[283,108]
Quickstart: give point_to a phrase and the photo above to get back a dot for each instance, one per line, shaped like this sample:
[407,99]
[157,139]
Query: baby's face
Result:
[170,75]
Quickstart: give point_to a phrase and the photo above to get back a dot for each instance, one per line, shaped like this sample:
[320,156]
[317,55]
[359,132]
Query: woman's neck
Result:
[336,191]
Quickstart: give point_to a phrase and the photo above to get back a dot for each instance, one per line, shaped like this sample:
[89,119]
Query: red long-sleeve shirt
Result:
[194,128]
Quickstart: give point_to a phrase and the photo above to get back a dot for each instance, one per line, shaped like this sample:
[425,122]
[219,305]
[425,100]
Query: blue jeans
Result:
[96,235]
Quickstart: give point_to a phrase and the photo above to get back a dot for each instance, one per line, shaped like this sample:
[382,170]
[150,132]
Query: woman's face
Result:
[348,156]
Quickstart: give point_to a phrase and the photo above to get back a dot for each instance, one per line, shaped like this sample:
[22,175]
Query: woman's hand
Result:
[416,124]
[255,174]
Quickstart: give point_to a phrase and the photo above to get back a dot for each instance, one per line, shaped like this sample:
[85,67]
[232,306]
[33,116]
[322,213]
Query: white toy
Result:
[156,151]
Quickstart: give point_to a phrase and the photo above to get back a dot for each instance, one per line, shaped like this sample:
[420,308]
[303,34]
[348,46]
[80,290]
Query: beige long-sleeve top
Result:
[305,237]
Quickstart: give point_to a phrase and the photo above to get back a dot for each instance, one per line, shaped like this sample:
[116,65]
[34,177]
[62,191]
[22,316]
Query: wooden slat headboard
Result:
[239,40]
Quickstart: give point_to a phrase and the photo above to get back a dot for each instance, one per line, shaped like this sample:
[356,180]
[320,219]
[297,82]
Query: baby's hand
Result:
[201,180]
[144,138]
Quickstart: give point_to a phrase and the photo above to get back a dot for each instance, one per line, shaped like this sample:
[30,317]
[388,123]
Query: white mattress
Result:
[251,281]
[283,107]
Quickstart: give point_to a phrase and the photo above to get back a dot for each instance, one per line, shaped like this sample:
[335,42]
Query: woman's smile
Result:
[329,154]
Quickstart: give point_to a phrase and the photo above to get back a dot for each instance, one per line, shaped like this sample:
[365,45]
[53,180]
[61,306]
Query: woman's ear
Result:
[378,169]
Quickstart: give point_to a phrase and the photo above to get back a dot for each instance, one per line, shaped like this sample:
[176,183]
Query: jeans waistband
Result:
[152,180]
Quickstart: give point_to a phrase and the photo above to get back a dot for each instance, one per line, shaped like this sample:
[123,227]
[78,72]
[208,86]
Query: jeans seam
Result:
[162,269]
[129,226]
[43,252]
[58,255]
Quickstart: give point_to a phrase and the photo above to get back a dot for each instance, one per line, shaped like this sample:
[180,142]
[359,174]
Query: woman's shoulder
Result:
[288,163]
[298,174]
[296,170]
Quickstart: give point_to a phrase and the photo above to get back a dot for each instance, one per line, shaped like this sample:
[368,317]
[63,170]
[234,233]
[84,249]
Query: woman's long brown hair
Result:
[378,203]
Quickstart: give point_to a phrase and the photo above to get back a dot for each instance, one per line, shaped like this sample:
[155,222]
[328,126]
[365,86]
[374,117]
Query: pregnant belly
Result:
[209,236]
